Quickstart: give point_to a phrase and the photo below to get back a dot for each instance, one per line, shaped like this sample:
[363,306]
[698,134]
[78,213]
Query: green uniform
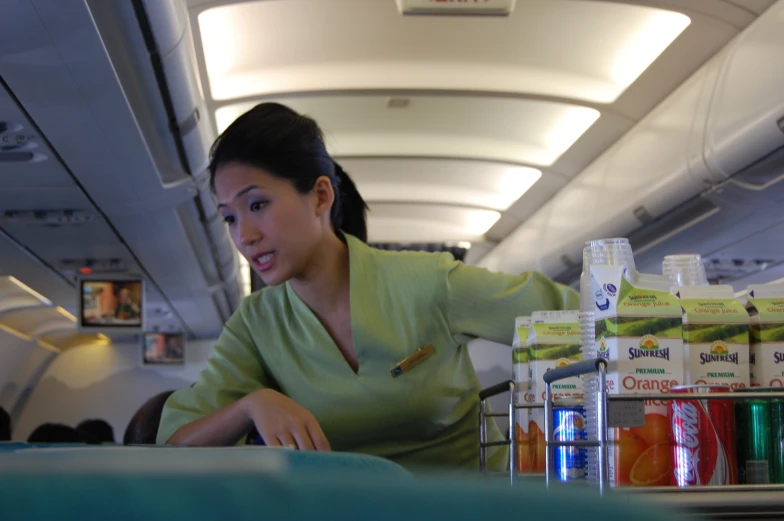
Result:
[400,302]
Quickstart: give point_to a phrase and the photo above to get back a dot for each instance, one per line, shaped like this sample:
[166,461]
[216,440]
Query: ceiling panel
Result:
[91,240]
[756,6]
[579,50]
[389,222]
[494,186]
[523,131]
[44,198]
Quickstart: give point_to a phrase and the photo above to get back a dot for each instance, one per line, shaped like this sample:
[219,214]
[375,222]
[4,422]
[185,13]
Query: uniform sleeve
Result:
[234,369]
[483,304]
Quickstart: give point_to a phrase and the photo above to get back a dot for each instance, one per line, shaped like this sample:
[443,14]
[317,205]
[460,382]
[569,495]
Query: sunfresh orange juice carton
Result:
[554,339]
[639,333]
[521,355]
[766,317]
[715,336]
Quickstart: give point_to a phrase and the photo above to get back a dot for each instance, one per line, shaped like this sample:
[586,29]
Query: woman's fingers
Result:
[302,437]
[287,440]
[317,435]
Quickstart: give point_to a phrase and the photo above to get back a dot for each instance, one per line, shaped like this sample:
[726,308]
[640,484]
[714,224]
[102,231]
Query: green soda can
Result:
[760,438]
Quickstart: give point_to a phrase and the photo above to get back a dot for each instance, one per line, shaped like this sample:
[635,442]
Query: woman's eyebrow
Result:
[239,194]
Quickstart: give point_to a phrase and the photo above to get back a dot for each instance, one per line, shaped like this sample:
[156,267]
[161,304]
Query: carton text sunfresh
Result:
[766,315]
[521,354]
[639,333]
[715,336]
[554,339]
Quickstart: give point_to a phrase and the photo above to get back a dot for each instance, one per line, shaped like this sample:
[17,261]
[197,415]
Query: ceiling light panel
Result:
[481,184]
[584,50]
[523,131]
[427,223]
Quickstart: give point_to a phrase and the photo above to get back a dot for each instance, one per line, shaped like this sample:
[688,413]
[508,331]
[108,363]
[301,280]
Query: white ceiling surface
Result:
[491,101]
[550,88]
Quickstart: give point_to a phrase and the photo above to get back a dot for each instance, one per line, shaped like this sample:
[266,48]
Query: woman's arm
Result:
[233,394]
[225,426]
[279,420]
[482,304]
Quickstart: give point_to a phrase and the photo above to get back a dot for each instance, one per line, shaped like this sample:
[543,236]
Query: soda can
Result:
[569,425]
[760,438]
[703,438]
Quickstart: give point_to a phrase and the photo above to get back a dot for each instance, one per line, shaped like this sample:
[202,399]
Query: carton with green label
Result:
[715,336]
[766,321]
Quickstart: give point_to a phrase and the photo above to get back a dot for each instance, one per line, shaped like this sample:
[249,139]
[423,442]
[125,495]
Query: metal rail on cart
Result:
[725,502]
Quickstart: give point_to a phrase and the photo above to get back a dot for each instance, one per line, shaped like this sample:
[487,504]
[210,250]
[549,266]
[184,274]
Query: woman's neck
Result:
[324,285]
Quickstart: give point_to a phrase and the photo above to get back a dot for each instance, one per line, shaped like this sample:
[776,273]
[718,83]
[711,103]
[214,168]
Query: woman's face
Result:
[273,225]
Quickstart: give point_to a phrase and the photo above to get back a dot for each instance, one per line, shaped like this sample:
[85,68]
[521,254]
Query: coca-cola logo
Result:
[685,429]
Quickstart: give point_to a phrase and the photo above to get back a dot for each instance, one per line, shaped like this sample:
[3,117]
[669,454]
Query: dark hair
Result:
[56,433]
[143,427]
[98,430]
[291,146]
[5,425]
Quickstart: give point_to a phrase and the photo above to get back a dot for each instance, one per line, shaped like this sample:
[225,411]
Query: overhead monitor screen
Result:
[111,304]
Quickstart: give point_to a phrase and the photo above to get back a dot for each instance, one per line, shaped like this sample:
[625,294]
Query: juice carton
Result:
[715,337]
[554,339]
[521,354]
[639,332]
[766,316]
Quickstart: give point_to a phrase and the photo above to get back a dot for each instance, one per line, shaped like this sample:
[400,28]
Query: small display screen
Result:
[163,348]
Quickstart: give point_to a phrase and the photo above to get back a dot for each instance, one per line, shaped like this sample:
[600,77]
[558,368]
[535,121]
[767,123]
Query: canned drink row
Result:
[711,442]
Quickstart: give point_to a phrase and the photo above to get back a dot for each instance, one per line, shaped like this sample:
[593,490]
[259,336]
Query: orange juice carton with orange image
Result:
[715,337]
[554,340]
[638,328]
[521,355]
[766,331]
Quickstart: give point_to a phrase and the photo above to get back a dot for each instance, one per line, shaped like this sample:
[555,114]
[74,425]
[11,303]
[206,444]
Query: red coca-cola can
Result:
[703,438]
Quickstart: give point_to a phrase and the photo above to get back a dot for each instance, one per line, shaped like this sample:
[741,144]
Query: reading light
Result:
[479,221]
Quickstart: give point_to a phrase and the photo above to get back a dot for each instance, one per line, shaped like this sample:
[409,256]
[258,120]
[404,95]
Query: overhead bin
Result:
[723,119]
[746,120]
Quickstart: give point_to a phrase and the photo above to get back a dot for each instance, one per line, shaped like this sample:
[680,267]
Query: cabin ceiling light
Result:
[597,51]
[647,40]
[479,221]
[492,188]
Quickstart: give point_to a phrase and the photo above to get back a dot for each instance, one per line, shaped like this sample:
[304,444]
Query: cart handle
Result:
[503,387]
[576,369]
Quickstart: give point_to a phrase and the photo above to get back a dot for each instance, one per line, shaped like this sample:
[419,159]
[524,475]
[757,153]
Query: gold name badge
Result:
[412,361]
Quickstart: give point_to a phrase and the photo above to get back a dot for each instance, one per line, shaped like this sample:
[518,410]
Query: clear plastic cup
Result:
[685,270]
[610,252]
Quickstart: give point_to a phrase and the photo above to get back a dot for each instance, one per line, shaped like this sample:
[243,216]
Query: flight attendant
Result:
[312,361]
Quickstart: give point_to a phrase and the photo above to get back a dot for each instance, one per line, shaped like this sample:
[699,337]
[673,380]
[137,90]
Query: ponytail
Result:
[349,212]
[291,146]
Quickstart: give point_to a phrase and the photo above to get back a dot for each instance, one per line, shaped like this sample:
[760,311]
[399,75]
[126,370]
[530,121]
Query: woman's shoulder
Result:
[405,260]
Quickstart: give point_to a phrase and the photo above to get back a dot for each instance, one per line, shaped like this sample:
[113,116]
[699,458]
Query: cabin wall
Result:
[20,361]
[110,382]
[107,382]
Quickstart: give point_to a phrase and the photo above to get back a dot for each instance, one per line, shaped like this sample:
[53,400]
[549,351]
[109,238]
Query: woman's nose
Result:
[248,234]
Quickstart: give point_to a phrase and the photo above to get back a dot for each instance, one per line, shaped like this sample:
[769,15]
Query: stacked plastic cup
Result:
[608,252]
[685,270]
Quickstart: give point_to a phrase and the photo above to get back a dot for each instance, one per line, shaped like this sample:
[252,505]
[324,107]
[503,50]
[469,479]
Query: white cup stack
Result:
[610,252]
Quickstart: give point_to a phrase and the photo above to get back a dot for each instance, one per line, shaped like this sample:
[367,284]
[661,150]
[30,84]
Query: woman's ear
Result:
[324,194]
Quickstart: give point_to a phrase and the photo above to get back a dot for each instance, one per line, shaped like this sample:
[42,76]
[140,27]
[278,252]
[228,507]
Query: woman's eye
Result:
[254,207]
[228,219]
